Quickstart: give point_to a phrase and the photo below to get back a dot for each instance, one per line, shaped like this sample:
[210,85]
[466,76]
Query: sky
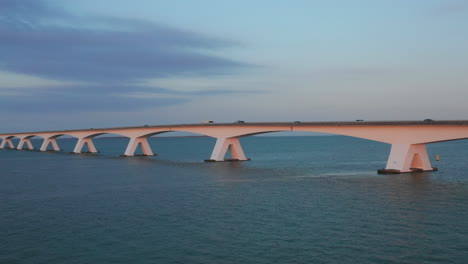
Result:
[67,64]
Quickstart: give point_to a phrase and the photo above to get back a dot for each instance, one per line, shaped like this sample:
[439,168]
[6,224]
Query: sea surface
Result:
[304,199]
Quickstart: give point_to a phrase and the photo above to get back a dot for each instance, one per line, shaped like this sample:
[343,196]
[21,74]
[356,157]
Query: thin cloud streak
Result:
[449,8]
[96,98]
[120,89]
[40,103]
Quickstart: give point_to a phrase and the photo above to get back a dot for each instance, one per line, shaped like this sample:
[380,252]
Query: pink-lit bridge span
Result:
[408,139]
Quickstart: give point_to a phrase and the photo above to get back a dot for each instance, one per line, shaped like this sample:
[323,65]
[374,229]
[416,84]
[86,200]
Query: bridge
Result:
[408,139]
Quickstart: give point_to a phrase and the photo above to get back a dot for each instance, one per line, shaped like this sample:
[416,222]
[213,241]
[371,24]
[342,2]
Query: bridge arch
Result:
[140,139]
[94,135]
[87,140]
[147,134]
[257,133]
[7,142]
[26,141]
[56,136]
[446,140]
[191,133]
[332,130]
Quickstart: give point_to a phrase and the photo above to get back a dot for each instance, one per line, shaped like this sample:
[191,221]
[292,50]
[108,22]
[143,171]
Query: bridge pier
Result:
[133,144]
[7,141]
[407,158]
[80,144]
[48,141]
[26,141]
[225,144]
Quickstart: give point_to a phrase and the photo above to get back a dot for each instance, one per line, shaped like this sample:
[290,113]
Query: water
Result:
[299,200]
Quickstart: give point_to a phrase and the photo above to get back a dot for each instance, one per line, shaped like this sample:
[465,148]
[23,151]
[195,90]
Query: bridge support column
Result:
[133,144]
[7,141]
[225,144]
[407,158]
[52,141]
[80,144]
[26,141]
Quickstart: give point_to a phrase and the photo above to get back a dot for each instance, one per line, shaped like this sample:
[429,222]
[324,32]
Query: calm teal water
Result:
[299,200]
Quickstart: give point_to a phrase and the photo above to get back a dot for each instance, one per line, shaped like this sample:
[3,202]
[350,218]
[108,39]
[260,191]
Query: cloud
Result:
[448,8]
[100,98]
[15,12]
[110,54]
[116,50]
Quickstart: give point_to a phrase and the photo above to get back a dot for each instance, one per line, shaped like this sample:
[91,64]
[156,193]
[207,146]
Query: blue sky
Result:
[98,63]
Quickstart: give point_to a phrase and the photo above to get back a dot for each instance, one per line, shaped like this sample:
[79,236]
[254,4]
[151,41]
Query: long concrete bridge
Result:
[408,138]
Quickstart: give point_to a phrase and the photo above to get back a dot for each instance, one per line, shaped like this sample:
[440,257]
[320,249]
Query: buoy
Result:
[437,157]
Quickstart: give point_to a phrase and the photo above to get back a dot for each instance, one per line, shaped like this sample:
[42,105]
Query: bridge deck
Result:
[279,124]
